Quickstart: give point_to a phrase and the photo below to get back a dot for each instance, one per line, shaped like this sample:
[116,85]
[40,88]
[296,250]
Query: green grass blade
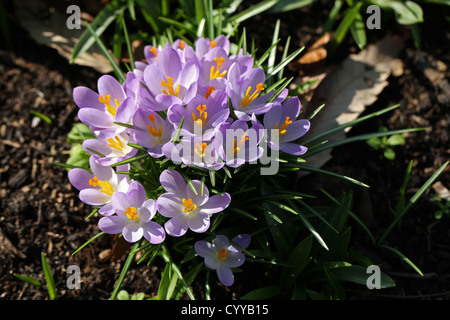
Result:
[412,201]
[253,11]
[124,271]
[403,257]
[26,279]
[89,241]
[49,278]
[100,23]
[107,54]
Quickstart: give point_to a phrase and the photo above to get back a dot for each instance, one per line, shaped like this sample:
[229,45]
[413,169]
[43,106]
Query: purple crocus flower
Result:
[283,118]
[202,116]
[204,45]
[133,216]
[245,90]
[194,151]
[151,131]
[100,110]
[107,151]
[240,144]
[168,81]
[96,188]
[222,255]
[185,208]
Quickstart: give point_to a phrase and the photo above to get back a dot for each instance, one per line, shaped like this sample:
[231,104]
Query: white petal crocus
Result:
[133,215]
[222,255]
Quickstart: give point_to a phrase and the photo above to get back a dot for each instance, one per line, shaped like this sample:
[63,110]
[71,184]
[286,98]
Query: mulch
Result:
[41,213]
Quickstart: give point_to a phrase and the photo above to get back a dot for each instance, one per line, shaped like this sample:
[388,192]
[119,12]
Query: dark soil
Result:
[40,210]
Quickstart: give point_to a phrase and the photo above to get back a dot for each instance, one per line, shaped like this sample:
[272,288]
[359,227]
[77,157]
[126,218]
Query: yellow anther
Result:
[131,213]
[283,129]
[215,73]
[169,85]
[213,44]
[236,148]
[188,205]
[115,143]
[208,93]
[105,99]
[249,98]
[200,149]
[222,254]
[181,45]
[104,185]
[153,50]
[155,132]
[203,115]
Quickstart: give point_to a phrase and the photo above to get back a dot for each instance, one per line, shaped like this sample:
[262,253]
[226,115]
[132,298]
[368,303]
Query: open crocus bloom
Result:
[202,116]
[133,215]
[283,118]
[151,131]
[101,110]
[97,188]
[185,208]
[168,81]
[107,151]
[222,255]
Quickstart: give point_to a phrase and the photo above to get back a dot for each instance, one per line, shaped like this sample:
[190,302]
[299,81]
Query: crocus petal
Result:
[95,118]
[243,240]
[176,227]
[225,275]
[79,178]
[169,205]
[203,248]
[126,110]
[216,203]
[199,224]
[136,194]
[112,224]
[119,201]
[87,98]
[153,232]
[169,62]
[132,232]
[296,130]
[109,85]
[94,197]
[173,182]
[234,259]
[294,149]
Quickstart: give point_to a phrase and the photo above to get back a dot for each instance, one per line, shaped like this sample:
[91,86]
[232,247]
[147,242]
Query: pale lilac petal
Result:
[112,224]
[221,241]
[132,232]
[176,226]
[225,275]
[79,178]
[119,200]
[199,224]
[296,130]
[198,199]
[292,148]
[109,85]
[169,62]
[216,203]
[153,232]
[153,77]
[150,206]
[87,98]
[203,248]
[126,110]
[106,210]
[173,182]
[243,240]
[136,194]
[169,205]
[94,197]
[95,118]
[234,259]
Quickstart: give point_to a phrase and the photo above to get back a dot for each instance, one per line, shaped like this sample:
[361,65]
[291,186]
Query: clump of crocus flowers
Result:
[197,106]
